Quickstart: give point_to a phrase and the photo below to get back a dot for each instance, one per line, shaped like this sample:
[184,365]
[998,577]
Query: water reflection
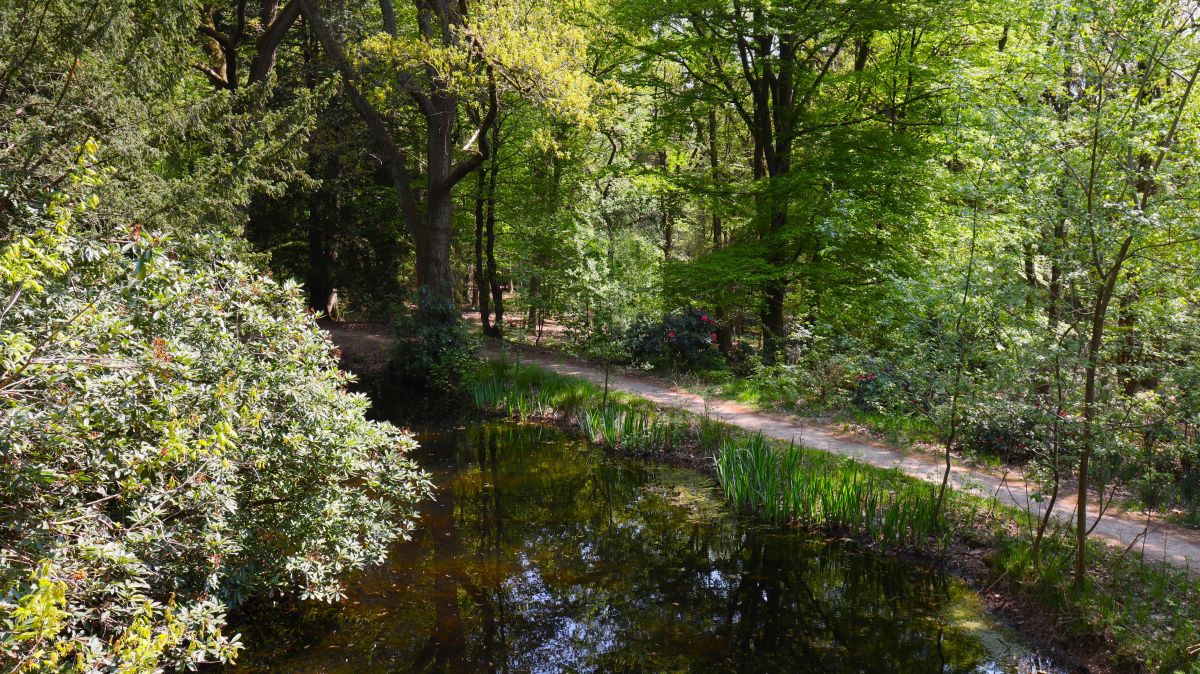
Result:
[544,555]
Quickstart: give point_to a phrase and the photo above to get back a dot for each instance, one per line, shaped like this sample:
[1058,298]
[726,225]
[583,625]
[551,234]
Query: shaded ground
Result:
[365,349]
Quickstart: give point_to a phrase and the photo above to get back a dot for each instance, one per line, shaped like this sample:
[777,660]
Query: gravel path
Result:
[1159,541]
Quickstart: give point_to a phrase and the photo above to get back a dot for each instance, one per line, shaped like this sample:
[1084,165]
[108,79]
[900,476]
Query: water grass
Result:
[527,393]
[798,486]
[633,430]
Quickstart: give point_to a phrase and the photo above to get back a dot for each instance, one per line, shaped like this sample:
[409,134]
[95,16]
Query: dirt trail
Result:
[1159,541]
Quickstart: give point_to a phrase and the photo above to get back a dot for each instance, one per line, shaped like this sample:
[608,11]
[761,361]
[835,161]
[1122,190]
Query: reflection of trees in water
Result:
[541,553]
[634,584]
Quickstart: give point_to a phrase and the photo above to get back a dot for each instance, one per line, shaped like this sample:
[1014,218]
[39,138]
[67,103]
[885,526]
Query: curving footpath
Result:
[1158,541]
[365,347]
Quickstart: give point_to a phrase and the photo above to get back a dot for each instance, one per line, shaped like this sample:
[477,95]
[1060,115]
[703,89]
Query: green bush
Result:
[175,437]
[687,339]
[434,349]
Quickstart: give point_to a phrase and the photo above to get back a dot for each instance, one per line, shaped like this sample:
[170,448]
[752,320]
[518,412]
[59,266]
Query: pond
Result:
[543,554]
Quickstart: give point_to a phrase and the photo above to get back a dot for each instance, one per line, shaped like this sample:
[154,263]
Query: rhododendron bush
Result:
[175,437]
[684,339]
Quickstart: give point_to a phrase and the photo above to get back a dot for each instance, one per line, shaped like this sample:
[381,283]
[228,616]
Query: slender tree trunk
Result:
[531,321]
[1056,475]
[1094,347]
[497,329]
[664,208]
[1085,456]
[481,288]
[715,168]
[959,365]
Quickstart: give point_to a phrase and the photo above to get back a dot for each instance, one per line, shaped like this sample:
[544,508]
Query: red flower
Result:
[713,336]
[671,334]
[704,317]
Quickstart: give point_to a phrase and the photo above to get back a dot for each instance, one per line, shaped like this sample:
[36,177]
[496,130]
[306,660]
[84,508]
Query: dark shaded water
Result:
[542,554]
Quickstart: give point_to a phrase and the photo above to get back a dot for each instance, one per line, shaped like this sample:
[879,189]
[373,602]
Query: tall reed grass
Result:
[786,487]
[633,430]
[813,489]
[526,396]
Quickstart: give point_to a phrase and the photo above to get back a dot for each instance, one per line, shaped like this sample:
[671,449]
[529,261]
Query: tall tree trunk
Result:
[664,210]
[497,329]
[435,275]
[1095,344]
[773,320]
[481,284]
[715,168]
[431,230]
[531,321]
[319,278]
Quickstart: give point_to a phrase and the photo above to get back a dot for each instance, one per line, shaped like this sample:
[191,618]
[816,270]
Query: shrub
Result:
[176,438]
[434,348]
[687,339]
[1010,430]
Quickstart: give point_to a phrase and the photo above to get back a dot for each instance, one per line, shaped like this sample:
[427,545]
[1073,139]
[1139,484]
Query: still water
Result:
[542,554]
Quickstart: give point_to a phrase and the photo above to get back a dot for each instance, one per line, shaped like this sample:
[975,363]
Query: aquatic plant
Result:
[804,487]
[527,393]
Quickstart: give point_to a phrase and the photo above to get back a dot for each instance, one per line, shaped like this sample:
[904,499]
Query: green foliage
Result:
[434,349]
[635,431]
[177,438]
[1145,610]
[687,340]
[815,489]
[528,393]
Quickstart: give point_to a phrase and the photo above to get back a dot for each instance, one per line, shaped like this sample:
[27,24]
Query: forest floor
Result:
[365,349]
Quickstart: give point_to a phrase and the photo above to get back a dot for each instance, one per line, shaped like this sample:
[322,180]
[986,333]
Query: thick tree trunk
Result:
[773,320]
[435,276]
[431,230]
[277,24]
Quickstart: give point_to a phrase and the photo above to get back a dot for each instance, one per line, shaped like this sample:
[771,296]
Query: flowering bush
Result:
[687,339]
[175,437]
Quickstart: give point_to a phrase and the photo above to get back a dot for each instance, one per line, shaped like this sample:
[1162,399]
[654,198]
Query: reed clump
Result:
[527,393]
[798,486]
[634,430]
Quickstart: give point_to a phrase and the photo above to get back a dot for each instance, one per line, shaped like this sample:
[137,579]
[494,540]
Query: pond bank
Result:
[365,347]
[1094,629]
[544,553]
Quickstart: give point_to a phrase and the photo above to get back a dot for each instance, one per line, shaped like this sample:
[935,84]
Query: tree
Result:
[442,54]
[1117,97]
[812,87]
[151,378]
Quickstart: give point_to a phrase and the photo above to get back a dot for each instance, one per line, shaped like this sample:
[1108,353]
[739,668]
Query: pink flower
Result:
[671,334]
[704,317]
[713,336]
